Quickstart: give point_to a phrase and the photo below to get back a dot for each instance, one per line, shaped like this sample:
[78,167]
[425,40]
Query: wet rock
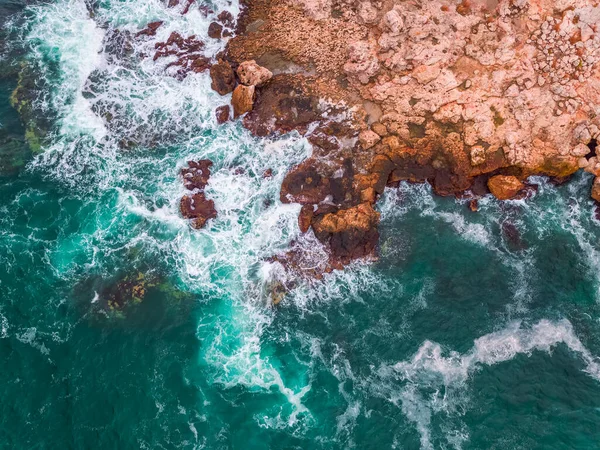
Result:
[305,218]
[226,18]
[474,205]
[267,173]
[215,30]
[242,99]
[223,78]
[197,208]
[251,74]
[596,189]
[150,29]
[196,175]
[223,113]
[504,187]
[350,233]
[284,104]
[188,52]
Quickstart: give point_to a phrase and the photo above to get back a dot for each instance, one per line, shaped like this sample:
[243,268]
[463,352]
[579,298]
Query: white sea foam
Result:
[434,381]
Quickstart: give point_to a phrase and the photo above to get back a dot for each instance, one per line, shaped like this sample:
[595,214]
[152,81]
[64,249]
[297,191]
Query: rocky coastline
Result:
[471,96]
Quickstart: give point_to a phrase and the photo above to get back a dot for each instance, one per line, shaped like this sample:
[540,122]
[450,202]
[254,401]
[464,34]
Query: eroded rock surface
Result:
[471,96]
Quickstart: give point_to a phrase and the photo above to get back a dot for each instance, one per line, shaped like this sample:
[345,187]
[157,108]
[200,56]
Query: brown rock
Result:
[242,100]
[223,78]
[284,104]
[596,189]
[267,173]
[196,175]
[198,208]
[351,233]
[223,113]
[474,205]
[504,187]
[226,18]
[251,74]
[215,30]
[305,218]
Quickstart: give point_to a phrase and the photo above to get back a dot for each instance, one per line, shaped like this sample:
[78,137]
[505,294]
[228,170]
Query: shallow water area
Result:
[472,330]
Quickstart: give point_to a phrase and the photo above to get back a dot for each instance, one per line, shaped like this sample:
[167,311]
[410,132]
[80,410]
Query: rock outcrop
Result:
[223,77]
[505,187]
[472,97]
[195,206]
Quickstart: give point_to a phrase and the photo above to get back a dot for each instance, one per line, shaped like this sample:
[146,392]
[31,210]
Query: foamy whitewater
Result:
[473,330]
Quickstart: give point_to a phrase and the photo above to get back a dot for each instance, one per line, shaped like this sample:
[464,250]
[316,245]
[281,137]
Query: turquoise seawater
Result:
[473,330]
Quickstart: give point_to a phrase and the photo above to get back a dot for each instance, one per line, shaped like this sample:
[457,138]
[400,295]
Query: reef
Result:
[471,96]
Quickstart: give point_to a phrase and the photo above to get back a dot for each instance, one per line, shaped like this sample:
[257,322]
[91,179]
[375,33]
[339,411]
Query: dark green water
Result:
[466,334]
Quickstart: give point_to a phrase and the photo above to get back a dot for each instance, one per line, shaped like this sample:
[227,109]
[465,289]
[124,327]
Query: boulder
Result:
[223,112]
[223,78]
[305,218]
[504,187]
[596,189]
[198,208]
[251,74]
[215,30]
[242,100]
[351,233]
[196,175]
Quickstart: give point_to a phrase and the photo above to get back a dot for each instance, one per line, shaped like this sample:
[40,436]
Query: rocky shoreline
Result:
[472,96]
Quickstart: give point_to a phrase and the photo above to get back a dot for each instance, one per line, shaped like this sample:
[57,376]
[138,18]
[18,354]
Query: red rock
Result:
[196,175]
[150,29]
[198,208]
[226,18]
[223,112]
[242,100]
[305,218]
[223,78]
[504,187]
[267,173]
[215,30]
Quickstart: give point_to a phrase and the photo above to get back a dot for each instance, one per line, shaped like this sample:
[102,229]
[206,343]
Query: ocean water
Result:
[472,331]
